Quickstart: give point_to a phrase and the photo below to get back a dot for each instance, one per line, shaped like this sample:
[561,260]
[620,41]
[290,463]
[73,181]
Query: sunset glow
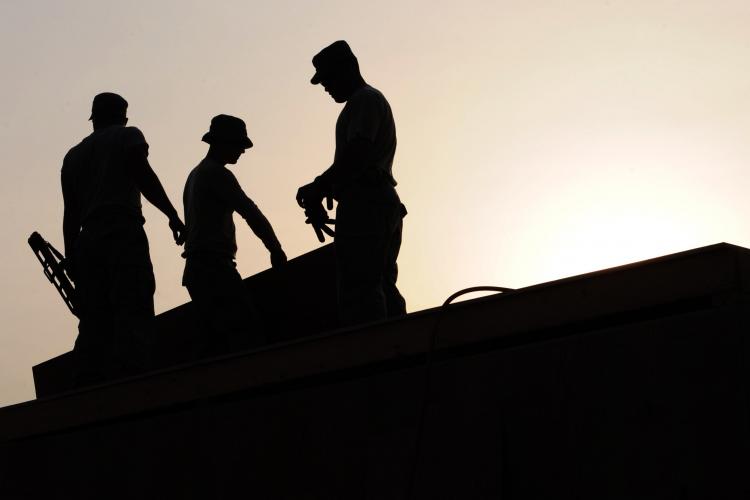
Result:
[537,140]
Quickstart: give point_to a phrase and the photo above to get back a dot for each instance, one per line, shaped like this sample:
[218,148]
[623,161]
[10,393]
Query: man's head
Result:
[228,138]
[108,109]
[337,69]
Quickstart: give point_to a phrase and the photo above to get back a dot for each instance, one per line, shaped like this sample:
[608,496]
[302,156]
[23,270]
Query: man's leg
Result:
[227,317]
[235,319]
[242,322]
[208,342]
[92,350]
[395,303]
[360,255]
[132,297]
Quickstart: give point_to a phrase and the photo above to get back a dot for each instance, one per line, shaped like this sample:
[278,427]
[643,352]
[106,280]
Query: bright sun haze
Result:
[537,139]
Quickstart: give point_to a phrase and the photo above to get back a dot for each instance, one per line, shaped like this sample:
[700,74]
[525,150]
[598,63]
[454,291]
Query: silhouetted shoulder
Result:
[367,102]
[368,96]
[130,138]
[116,139]
[132,135]
[367,115]
[215,179]
[224,183]
[77,151]
[209,171]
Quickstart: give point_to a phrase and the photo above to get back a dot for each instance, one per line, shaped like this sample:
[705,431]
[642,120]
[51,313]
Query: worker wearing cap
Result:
[107,251]
[211,196]
[369,212]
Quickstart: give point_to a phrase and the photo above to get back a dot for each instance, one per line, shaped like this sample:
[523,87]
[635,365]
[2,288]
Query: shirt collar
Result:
[210,162]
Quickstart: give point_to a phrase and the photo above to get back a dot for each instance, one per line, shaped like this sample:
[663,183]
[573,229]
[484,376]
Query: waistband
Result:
[112,215]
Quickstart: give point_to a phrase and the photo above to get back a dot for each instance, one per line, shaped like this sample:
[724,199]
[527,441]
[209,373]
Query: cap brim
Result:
[209,139]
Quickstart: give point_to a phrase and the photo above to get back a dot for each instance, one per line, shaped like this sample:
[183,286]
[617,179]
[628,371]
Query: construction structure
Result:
[630,382]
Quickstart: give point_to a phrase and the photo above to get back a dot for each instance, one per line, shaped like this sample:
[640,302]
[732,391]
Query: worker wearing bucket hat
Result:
[212,194]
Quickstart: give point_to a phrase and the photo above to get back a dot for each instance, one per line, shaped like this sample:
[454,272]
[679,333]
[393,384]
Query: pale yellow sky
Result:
[537,139]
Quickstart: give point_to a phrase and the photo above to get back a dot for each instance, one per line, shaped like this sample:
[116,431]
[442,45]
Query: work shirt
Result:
[95,173]
[366,115]
[212,194]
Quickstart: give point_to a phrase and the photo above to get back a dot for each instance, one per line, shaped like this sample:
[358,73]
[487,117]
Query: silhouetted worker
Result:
[212,194]
[369,213]
[107,252]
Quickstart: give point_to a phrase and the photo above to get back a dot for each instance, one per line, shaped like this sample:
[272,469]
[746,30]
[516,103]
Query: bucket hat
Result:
[227,129]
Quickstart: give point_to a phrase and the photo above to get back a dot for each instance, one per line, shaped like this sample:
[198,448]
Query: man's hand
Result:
[309,195]
[318,218]
[278,258]
[178,230]
[67,265]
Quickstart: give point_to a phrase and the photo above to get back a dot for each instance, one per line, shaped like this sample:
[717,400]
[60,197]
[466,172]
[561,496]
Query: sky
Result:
[537,139]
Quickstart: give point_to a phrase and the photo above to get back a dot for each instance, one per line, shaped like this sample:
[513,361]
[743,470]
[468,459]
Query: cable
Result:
[499,289]
[428,375]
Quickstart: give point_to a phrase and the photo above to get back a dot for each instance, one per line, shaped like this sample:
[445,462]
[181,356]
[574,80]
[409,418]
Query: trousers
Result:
[115,285]
[227,318]
[367,244]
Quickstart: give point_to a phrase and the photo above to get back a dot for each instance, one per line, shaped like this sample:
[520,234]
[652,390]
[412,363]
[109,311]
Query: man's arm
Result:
[71,215]
[352,162]
[150,187]
[349,165]
[264,231]
[238,201]
[354,156]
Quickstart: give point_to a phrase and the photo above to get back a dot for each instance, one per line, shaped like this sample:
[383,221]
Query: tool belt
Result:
[374,184]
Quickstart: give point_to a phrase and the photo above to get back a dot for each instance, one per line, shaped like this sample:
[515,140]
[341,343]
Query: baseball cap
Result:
[108,104]
[331,57]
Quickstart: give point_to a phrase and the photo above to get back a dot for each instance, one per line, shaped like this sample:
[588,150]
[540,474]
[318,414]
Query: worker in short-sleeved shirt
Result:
[96,171]
[227,317]
[107,254]
[367,115]
[369,212]
[212,194]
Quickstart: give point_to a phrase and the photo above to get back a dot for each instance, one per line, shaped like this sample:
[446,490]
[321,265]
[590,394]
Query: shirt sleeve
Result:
[228,189]
[133,139]
[66,179]
[71,210]
[365,116]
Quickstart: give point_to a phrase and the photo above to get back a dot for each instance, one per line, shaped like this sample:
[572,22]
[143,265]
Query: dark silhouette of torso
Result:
[96,172]
[369,213]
